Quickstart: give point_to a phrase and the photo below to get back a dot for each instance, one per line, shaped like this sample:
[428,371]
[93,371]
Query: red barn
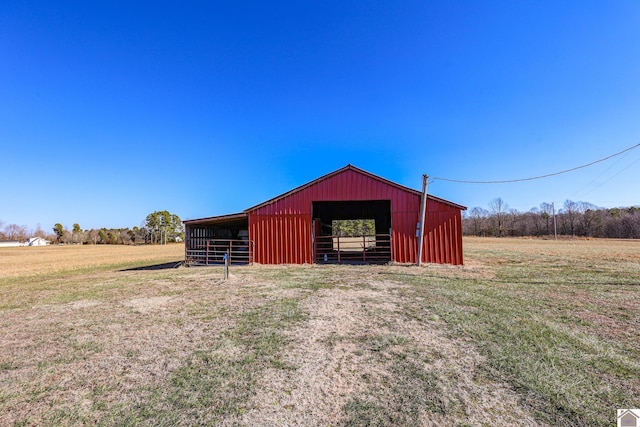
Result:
[300,226]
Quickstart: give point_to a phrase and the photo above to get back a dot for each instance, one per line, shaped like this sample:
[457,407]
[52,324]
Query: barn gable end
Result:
[282,230]
[282,227]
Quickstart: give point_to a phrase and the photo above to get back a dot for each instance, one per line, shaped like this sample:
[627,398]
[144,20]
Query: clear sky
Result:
[112,110]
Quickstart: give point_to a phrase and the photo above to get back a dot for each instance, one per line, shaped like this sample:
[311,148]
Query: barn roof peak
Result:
[350,167]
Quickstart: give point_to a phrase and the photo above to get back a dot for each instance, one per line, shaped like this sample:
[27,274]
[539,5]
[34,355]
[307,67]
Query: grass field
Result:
[528,332]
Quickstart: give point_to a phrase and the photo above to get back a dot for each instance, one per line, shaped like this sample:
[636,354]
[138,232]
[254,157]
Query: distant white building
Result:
[36,241]
[9,243]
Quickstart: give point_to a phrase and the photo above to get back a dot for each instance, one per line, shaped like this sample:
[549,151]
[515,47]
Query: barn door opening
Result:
[353,232]
[210,240]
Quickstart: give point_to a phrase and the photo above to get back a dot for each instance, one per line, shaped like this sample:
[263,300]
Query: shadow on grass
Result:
[164,266]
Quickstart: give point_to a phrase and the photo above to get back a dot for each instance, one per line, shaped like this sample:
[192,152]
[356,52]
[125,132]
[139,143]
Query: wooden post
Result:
[423,214]
[186,244]
[226,265]
[364,249]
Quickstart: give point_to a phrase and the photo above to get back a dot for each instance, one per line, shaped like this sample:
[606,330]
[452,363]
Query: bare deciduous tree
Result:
[534,220]
[93,236]
[546,211]
[478,218]
[125,237]
[576,218]
[498,212]
[39,232]
[571,215]
[16,232]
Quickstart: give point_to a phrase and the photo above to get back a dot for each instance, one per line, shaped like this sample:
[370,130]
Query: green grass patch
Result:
[405,395]
[220,378]
[526,321]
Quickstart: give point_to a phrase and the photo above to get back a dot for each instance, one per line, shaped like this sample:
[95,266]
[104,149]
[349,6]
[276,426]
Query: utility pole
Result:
[423,211]
[555,229]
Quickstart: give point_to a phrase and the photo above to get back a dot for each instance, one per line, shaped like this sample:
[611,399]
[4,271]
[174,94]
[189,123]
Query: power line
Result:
[622,170]
[601,175]
[536,177]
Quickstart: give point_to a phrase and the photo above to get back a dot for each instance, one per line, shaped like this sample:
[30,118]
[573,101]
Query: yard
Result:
[528,332]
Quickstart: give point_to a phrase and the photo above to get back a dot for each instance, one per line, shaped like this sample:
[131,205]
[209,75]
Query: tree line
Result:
[158,227]
[571,219]
[353,227]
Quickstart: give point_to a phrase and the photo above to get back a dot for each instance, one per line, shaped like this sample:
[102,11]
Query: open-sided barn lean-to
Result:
[296,227]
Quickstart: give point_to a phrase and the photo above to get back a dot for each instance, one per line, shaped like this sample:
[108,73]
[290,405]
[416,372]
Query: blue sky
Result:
[112,110]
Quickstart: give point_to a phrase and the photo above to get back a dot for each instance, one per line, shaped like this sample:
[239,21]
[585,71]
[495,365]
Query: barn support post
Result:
[364,248]
[423,211]
[186,245]
[226,265]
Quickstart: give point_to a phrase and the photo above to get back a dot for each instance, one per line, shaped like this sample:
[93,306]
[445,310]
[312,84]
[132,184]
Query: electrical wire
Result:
[536,177]
[601,175]
[613,176]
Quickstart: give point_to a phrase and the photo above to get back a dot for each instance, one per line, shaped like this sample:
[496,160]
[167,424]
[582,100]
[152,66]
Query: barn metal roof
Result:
[358,170]
[224,219]
[221,219]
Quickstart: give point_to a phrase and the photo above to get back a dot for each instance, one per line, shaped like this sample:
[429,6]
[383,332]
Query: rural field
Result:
[528,332]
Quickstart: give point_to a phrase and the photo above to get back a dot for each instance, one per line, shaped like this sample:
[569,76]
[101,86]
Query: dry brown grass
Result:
[580,250]
[529,332]
[44,260]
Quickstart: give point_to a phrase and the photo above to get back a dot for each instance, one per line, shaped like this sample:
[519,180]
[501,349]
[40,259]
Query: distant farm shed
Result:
[300,226]
[9,243]
[36,241]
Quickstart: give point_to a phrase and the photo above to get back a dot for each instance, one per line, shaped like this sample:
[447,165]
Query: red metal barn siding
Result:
[405,209]
[282,229]
[443,241]
[281,239]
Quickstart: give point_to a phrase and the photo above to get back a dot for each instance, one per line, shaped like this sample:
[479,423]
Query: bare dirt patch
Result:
[349,350]
[77,305]
[145,305]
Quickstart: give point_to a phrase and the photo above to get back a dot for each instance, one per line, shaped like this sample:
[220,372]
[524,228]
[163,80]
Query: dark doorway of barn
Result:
[208,242]
[352,232]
